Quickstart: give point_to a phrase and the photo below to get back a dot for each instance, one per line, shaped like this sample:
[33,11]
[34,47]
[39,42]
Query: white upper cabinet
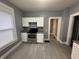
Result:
[25,22]
[30,19]
[39,20]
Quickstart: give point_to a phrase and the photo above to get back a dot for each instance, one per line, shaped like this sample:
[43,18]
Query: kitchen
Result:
[33,28]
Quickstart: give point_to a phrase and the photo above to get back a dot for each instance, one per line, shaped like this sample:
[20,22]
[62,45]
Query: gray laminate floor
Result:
[52,50]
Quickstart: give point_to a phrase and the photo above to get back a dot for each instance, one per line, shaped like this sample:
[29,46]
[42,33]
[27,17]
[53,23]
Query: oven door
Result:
[32,35]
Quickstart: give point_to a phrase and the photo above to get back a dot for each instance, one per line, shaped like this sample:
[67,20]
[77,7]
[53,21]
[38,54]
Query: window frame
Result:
[9,10]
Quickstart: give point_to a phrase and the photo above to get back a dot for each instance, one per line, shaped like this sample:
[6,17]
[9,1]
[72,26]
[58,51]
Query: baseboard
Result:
[67,44]
[61,42]
[12,49]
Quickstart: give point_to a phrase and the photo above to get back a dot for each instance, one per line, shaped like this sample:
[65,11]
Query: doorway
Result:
[75,30]
[70,28]
[54,28]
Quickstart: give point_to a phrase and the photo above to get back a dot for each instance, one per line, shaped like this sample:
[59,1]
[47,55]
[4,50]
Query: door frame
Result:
[70,28]
[59,27]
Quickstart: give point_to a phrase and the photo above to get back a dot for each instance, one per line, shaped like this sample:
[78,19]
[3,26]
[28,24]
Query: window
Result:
[5,21]
[7,26]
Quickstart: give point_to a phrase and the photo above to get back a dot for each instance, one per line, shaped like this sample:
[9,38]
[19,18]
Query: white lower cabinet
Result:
[40,38]
[75,51]
[24,37]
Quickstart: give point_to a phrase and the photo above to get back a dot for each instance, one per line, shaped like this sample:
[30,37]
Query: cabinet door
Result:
[24,37]
[40,21]
[34,19]
[30,19]
[25,22]
[75,53]
[40,38]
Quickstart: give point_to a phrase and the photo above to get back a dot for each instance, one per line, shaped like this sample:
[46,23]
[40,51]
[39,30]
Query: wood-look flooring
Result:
[52,50]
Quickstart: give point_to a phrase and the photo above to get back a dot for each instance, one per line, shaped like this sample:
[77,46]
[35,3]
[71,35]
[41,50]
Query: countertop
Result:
[77,42]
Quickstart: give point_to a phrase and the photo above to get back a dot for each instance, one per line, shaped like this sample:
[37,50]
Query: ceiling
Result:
[43,5]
